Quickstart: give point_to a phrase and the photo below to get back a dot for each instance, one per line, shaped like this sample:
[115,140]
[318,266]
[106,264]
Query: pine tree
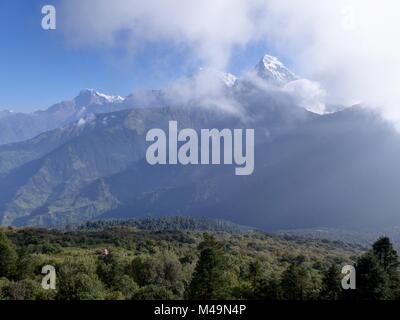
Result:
[8,257]
[295,282]
[389,261]
[267,289]
[255,272]
[386,255]
[371,280]
[209,281]
[331,284]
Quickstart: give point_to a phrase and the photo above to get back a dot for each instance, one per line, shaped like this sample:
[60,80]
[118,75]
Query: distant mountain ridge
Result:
[336,169]
[17,127]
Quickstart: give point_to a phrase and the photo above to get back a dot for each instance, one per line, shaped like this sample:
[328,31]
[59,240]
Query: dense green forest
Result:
[188,258]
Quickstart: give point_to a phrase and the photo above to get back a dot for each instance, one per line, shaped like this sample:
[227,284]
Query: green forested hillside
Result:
[169,223]
[175,258]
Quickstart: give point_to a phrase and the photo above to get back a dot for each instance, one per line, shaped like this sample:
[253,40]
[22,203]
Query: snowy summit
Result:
[272,69]
[89,96]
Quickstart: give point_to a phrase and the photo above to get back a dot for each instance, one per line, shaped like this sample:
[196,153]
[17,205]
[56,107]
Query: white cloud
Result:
[209,28]
[308,94]
[208,89]
[350,46]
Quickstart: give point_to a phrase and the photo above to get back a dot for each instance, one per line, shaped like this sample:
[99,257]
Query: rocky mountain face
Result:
[329,169]
[16,127]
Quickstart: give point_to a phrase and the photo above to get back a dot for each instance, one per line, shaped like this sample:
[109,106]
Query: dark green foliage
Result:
[49,248]
[147,270]
[172,223]
[295,282]
[162,269]
[77,280]
[256,272]
[153,292]
[110,269]
[178,264]
[389,261]
[377,273]
[371,280]
[331,283]
[8,257]
[209,280]
[26,265]
[267,289]
[4,283]
[26,289]
[127,286]
[386,255]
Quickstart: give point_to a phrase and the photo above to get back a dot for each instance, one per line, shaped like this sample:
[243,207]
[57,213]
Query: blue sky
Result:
[39,68]
[348,46]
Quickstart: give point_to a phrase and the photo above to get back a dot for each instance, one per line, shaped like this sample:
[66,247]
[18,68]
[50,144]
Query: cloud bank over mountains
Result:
[349,46]
[208,90]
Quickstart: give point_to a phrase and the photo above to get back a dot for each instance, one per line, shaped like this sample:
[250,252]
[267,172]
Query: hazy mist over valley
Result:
[316,164]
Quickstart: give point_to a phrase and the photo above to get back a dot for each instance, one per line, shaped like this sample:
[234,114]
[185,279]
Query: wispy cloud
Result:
[350,46]
[209,28]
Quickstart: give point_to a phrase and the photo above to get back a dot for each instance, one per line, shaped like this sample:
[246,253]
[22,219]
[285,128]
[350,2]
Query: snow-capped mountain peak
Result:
[109,98]
[88,96]
[272,69]
[228,78]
